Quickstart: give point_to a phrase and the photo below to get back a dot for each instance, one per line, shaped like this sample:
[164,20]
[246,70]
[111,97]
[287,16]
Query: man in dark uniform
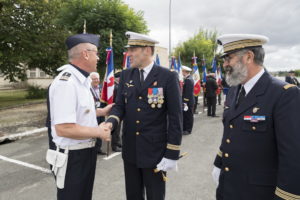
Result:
[211,88]
[188,100]
[149,102]
[292,79]
[259,154]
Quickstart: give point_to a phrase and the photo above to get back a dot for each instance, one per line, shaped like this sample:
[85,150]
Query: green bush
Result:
[36,92]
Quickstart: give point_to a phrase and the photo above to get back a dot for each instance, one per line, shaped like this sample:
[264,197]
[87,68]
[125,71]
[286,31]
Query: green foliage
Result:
[36,92]
[203,44]
[102,16]
[29,38]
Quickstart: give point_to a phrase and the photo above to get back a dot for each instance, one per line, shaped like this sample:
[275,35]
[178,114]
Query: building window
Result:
[42,74]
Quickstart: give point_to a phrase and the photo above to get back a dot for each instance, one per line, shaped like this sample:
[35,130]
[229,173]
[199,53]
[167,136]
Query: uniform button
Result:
[231,126]
[226,169]
[138,109]
[137,133]
[227,141]
[137,121]
[253,128]
[226,155]
[140,97]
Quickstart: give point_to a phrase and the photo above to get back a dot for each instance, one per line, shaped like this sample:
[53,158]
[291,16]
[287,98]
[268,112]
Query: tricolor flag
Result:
[107,95]
[219,75]
[173,65]
[157,61]
[204,70]
[126,61]
[179,71]
[214,67]
[196,77]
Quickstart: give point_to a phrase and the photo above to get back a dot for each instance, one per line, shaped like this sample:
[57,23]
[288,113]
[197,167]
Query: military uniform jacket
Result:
[259,155]
[149,133]
[188,92]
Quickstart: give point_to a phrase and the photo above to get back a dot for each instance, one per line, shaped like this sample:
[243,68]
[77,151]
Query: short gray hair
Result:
[259,54]
[94,74]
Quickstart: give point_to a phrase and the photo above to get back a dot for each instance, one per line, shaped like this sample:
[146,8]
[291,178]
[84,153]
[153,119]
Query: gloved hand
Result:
[216,174]
[167,164]
[185,107]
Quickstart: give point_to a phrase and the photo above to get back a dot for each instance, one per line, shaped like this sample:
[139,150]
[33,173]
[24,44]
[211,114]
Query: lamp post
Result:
[170,29]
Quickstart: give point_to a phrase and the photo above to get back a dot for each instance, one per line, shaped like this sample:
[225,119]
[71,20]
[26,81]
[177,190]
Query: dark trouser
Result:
[219,99]
[196,104]
[188,120]
[211,106]
[139,179]
[115,136]
[79,180]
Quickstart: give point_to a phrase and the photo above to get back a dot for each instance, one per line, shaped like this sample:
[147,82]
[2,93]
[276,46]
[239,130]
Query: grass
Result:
[9,98]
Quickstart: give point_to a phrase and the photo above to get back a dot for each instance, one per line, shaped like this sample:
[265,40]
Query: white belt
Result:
[85,145]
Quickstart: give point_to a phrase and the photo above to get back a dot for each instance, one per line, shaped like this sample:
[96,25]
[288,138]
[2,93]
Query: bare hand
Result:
[104,111]
[104,132]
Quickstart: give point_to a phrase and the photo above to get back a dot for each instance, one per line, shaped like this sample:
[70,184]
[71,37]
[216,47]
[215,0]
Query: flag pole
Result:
[108,142]
[84,27]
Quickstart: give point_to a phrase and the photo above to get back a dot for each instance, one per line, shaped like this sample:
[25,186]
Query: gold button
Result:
[140,97]
[253,128]
[138,109]
[226,169]
[228,141]
[226,155]
[231,126]
[137,121]
[137,133]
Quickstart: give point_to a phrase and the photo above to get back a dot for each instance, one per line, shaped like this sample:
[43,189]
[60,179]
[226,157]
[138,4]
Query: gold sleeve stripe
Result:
[289,86]
[220,153]
[173,147]
[286,195]
[185,99]
[115,117]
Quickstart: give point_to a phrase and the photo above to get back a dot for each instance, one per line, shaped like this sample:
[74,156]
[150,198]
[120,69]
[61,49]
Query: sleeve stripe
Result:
[286,195]
[220,153]
[115,117]
[173,147]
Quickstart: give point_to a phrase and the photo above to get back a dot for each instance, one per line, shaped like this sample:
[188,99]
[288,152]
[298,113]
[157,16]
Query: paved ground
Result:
[192,182]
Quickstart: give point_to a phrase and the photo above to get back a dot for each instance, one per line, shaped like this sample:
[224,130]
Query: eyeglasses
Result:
[227,58]
[97,53]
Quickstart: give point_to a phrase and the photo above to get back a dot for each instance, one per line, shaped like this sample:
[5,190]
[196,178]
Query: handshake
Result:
[104,130]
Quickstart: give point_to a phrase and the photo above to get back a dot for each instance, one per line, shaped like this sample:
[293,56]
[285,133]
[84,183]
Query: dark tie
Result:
[142,76]
[241,96]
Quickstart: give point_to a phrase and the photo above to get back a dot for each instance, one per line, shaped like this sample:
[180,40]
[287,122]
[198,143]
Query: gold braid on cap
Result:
[140,43]
[241,44]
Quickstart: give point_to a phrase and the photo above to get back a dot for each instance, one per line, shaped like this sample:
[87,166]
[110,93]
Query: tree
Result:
[30,38]
[101,17]
[203,44]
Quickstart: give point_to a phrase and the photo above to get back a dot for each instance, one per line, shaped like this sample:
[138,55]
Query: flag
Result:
[157,61]
[173,65]
[196,77]
[204,70]
[219,75]
[107,94]
[179,71]
[126,61]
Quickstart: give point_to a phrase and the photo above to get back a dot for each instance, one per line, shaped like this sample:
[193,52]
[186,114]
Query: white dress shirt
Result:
[250,84]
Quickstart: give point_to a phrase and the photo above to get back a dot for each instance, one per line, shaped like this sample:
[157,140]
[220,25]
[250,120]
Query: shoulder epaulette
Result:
[65,76]
[287,86]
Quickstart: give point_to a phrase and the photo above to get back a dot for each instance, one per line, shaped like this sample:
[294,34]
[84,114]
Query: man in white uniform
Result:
[73,117]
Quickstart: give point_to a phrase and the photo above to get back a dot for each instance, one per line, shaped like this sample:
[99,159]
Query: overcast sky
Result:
[277,19]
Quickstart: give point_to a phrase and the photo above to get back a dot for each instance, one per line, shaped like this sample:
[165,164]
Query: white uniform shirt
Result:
[71,101]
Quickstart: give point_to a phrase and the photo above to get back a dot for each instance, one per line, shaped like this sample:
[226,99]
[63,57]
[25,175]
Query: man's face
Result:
[95,81]
[235,68]
[138,56]
[93,57]
[185,73]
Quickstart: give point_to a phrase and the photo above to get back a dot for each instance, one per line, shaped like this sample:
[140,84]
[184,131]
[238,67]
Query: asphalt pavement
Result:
[22,163]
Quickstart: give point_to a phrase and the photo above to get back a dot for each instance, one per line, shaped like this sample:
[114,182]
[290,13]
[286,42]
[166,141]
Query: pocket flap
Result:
[56,158]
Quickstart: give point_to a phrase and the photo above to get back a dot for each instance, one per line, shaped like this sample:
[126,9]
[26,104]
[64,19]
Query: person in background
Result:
[211,89]
[188,100]
[292,79]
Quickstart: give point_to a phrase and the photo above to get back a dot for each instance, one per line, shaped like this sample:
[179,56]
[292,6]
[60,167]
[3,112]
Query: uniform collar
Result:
[250,84]
[83,79]
[84,73]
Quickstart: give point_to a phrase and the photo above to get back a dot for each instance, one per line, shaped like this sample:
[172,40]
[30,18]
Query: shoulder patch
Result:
[287,86]
[65,76]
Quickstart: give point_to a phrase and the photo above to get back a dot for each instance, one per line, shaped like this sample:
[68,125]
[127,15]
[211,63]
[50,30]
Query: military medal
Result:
[255,109]
[150,95]
[159,105]
[153,105]
[155,83]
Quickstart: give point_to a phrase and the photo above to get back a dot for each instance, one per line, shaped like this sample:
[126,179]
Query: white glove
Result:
[185,107]
[216,174]
[167,164]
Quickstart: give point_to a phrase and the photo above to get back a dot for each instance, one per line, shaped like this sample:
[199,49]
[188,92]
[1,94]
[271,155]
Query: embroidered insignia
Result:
[129,85]
[65,76]
[130,81]
[255,109]
[155,83]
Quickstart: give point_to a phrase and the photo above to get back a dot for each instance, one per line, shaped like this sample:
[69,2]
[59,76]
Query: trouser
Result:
[137,180]
[211,106]
[196,104]
[79,180]
[115,136]
[188,120]
[219,99]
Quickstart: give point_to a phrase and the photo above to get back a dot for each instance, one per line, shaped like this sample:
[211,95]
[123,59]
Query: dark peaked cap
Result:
[73,40]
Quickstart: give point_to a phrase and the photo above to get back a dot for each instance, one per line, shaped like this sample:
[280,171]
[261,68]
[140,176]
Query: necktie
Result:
[241,96]
[142,76]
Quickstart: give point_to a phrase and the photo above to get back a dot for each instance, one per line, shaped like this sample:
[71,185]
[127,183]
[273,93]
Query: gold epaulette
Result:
[65,76]
[286,195]
[287,86]
[173,147]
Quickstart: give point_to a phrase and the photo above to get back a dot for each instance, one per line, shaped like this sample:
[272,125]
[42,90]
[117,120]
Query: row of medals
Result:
[155,100]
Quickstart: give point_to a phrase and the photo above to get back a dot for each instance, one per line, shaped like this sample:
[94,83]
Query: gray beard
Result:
[237,74]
